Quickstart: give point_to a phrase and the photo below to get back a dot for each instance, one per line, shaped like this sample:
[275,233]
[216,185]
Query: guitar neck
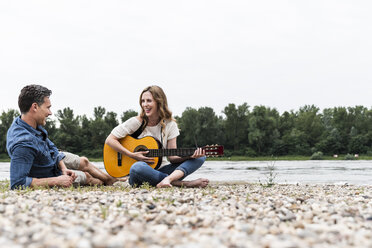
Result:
[182,152]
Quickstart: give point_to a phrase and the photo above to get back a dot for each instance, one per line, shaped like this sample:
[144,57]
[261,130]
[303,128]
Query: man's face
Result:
[43,111]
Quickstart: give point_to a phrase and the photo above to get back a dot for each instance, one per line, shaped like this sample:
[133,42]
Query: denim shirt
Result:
[32,154]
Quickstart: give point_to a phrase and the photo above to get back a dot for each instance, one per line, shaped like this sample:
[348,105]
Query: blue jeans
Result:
[140,172]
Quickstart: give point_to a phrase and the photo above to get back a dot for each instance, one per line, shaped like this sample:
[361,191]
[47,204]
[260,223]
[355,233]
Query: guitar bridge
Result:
[119,159]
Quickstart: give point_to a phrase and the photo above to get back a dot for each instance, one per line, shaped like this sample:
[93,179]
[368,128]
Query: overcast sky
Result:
[281,54]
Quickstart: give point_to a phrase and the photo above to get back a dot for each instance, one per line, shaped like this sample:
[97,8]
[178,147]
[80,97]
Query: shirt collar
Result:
[39,131]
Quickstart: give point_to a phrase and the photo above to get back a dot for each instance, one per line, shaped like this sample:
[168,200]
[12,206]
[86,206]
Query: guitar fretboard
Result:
[182,152]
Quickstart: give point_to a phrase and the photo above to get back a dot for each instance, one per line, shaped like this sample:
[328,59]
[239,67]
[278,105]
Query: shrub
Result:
[349,157]
[250,152]
[317,156]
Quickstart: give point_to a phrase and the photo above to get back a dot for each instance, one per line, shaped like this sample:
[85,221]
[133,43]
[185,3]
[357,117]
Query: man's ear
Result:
[34,107]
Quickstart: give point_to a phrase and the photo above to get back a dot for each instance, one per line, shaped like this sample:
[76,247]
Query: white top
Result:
[132,124]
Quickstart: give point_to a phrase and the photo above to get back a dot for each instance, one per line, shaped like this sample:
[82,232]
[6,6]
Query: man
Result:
[35,160]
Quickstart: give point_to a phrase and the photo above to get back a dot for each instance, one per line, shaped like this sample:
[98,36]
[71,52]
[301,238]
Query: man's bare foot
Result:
[197,183]
[165,183]
[91,180]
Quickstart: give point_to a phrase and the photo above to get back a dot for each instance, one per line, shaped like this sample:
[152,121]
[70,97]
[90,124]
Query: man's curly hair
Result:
[30,94]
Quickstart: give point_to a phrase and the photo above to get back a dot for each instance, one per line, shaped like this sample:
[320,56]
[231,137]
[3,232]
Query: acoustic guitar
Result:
[118,165]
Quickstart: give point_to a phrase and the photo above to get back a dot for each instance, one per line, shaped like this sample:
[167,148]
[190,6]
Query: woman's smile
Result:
[149,105]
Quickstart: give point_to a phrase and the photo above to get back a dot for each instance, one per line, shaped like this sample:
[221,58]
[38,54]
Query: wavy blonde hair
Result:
[162,103]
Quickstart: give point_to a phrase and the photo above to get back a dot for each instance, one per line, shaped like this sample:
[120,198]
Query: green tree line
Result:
[244,131]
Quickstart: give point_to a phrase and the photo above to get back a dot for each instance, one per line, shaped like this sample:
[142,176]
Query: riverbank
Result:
[290,158]
[262,158]
[221,215]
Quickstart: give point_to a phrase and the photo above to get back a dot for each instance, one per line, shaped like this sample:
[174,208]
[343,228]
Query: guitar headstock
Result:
[213,150]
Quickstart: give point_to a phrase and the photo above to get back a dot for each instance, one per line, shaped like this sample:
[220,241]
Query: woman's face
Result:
[149,105]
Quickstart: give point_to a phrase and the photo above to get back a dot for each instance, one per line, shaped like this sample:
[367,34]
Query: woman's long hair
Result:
[162,103]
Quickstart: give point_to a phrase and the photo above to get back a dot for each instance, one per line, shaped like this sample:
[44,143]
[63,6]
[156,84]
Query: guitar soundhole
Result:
[140,148]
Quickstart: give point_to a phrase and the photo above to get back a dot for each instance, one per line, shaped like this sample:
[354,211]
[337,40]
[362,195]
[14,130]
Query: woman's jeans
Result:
[140,172]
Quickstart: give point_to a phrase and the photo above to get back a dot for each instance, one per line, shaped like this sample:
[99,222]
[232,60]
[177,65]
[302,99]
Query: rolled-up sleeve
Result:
[20,166]
[59,155]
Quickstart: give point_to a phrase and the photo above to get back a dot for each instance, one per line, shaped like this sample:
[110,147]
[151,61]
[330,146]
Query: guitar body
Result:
[118,165]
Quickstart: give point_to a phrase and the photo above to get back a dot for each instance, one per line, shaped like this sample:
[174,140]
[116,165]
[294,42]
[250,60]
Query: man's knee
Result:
[84,164]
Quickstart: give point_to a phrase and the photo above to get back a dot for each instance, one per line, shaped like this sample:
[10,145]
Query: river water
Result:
[318,172]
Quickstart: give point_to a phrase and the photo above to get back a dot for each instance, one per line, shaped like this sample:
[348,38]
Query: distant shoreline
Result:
[261,158]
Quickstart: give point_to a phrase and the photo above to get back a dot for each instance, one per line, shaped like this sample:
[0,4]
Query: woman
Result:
[158,123]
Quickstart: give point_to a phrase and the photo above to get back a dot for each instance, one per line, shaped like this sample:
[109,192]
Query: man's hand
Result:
[65,180]
[69,173]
